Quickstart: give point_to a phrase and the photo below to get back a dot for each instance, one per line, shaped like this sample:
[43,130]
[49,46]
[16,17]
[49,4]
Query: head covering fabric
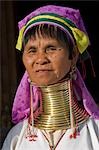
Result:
[61,16]
[21,105]
[66,12]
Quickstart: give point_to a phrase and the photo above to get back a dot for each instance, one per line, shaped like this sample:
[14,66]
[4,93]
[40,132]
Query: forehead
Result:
[44,41]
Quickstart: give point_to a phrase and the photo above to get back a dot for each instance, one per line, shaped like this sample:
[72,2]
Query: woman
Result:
[52,108]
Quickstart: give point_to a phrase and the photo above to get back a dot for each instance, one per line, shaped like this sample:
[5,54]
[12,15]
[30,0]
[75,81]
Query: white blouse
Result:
[87,140]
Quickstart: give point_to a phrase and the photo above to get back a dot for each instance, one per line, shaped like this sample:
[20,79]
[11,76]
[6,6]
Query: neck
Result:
[61,109]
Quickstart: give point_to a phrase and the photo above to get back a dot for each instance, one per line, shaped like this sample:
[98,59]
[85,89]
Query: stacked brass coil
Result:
[56,108]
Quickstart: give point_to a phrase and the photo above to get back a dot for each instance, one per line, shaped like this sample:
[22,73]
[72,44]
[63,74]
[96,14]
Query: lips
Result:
[43,70]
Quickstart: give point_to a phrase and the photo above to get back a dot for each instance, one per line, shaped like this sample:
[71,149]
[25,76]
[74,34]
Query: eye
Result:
[51,49]
[32,50]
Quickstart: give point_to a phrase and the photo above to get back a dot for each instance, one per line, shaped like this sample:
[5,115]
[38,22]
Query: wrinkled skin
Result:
[46,60]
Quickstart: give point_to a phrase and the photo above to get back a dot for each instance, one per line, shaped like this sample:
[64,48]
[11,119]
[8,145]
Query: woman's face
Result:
[46,60]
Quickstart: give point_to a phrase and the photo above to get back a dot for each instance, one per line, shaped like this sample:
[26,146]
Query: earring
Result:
[73,74]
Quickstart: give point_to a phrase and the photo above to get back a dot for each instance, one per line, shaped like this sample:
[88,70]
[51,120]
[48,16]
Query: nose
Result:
[42,59]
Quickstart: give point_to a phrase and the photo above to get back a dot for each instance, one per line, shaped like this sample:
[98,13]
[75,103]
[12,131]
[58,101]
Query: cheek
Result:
[27,61]
[62,65]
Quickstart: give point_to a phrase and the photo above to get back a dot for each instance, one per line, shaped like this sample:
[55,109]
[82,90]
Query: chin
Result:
[45,83]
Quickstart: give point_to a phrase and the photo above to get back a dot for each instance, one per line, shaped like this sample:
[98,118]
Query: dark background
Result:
[11,67]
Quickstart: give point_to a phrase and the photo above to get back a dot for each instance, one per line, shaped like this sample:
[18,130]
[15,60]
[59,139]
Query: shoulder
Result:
[13,132]
[93,124]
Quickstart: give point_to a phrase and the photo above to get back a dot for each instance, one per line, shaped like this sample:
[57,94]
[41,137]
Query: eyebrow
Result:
[50,45]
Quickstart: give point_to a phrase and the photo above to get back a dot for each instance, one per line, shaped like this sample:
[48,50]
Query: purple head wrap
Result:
[66,12]
[21,105]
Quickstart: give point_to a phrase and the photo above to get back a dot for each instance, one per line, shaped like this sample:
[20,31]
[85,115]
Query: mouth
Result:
[43,70]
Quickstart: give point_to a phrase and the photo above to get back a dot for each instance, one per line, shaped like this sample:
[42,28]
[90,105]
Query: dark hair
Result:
[46,30]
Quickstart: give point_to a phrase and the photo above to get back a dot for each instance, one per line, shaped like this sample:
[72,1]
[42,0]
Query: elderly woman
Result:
[53,108]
